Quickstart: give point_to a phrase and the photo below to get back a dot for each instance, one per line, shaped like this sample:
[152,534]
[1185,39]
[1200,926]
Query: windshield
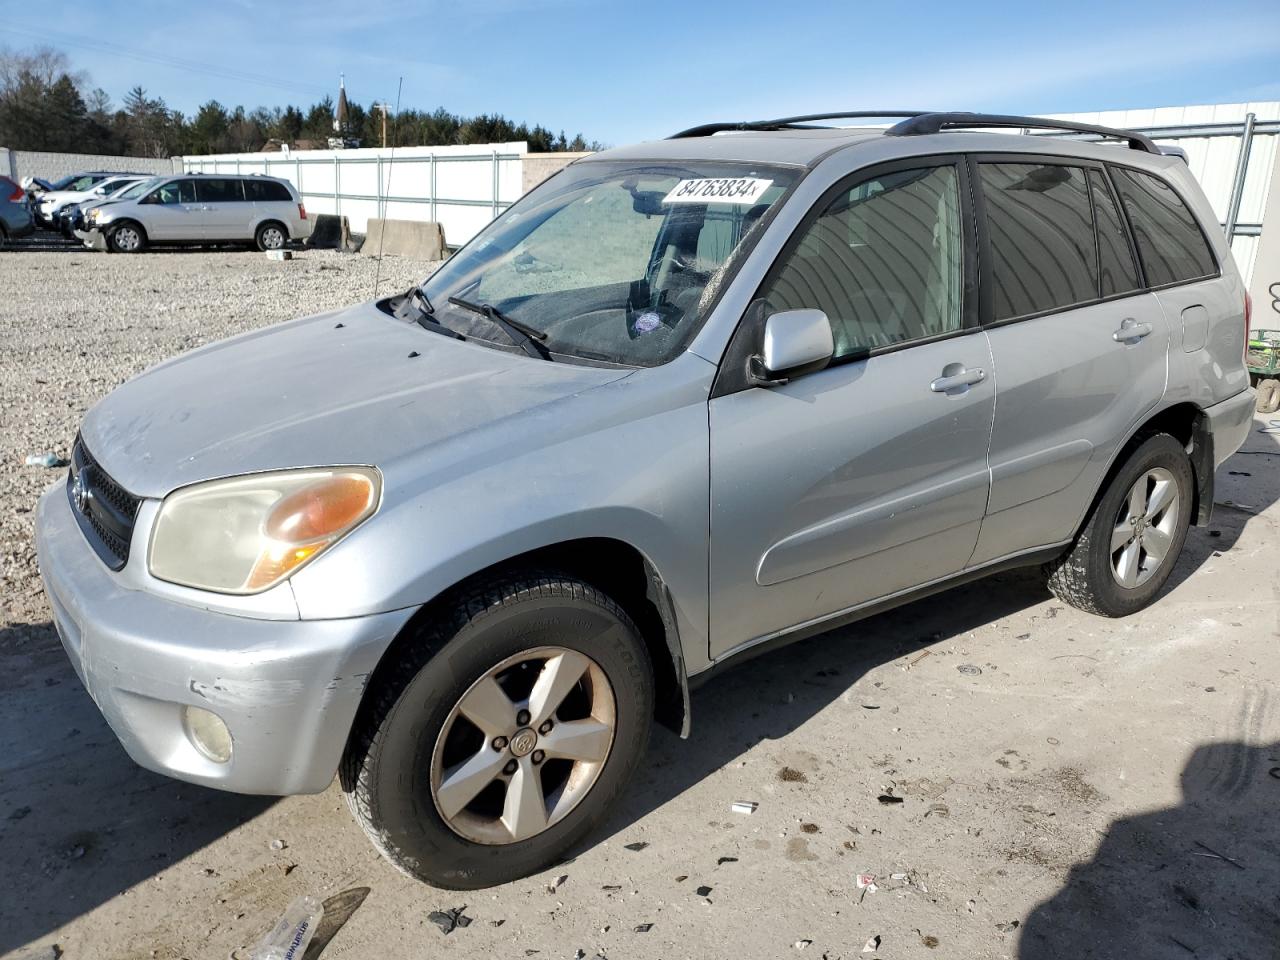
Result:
[65,182]
[612,261]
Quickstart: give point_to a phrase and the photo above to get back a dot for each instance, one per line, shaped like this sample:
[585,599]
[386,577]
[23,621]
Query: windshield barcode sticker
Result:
[743,190]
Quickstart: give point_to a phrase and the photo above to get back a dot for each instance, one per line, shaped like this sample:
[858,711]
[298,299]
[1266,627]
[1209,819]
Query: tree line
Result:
[47,105]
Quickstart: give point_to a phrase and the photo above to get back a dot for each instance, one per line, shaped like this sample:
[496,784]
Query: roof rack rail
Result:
[793,123]
[935,122]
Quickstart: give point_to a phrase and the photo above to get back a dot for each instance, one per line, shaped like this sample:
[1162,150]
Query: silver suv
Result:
[195,209]
[683,402]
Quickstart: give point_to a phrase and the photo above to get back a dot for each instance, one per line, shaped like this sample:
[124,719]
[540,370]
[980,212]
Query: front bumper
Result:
[1229,422]
[287,690]
[92,238]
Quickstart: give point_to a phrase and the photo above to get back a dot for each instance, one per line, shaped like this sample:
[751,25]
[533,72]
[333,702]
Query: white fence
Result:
[461,188]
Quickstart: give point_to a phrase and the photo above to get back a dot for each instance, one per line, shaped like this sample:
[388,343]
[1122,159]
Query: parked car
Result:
[682,403]
[16,219]
[195,208]
[71,189]
[70,216]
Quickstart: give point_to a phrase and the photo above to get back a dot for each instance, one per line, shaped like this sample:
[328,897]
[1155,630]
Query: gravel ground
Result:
[1069,786]
[75,324]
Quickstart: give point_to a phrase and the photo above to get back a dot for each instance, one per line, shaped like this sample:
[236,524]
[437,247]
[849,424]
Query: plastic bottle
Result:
[45,460]
[288,939]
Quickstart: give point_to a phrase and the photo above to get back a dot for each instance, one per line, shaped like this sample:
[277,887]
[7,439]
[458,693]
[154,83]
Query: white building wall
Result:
[462,188]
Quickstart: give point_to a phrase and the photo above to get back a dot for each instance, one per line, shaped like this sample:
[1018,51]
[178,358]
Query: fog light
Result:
[207,733]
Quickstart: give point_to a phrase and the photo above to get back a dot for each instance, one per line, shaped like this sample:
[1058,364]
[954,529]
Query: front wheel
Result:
[502,733]
[127,237]
[1131,541]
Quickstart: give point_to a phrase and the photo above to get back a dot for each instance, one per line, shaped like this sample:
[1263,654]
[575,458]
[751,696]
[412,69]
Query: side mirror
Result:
[796,342]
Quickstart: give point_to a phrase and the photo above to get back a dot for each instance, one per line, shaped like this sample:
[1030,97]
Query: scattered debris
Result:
[866,882]
[792,775]
[46,460]
[703,891]
[929,942]
[557,883]
[288,939]
[889,798]
[870,706]
[801,944]
[682,878]
[278,845]
[1239,473]
[580,954]
[1009,927]
[724,860]
[872,944]
[744,806]
[279,254]
[809,828]
[1217,856]
[938,810]
[969,670]
[497,923]
[449,920]
[1023,636]
[643,927]
[1215,533]
[611,888]
[637,846]
[918,658]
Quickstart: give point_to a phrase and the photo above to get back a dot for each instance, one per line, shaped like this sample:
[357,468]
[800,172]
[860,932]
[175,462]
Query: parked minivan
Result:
[198,208]
[684,402]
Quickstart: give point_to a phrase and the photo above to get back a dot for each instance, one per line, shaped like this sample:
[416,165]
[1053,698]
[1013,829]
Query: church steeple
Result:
[341,115]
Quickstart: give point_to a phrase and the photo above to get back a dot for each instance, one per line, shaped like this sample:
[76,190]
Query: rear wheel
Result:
[503,733]
[1268,396]
[127,237]
[271,236]
[1129,545]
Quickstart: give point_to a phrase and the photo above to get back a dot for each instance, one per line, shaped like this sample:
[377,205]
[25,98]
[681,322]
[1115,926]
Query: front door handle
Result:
[954,380]
[1131,331]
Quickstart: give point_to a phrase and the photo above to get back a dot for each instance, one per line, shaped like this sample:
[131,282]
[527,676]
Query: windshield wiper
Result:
[525,337]
[424,314]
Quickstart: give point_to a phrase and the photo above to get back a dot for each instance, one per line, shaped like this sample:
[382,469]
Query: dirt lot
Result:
[1069,786]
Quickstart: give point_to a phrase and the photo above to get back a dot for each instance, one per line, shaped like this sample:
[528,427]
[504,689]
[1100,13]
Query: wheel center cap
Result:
[523,742]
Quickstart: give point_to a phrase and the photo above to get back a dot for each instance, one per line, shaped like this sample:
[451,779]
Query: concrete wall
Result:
[17,164]
[539,166]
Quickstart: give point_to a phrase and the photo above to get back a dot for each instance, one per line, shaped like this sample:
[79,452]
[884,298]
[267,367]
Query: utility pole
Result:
[383,105]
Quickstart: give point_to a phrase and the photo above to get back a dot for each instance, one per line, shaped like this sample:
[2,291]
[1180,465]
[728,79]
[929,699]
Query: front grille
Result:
[104,509]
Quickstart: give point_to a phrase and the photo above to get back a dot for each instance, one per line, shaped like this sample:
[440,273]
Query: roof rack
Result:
[794,123]
[934,122]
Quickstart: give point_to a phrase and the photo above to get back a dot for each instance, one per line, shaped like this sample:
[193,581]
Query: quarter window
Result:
[1042,244]
[266,191]
[1172,246]
[884,261]
[1116,269]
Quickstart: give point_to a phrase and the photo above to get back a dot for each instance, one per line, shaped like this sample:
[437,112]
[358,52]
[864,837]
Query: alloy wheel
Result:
[1145,528]
[272,238]
[523,746]
[127,239]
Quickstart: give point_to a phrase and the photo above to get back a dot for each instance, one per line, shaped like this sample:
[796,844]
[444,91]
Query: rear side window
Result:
[1170,242]
[219,191]
[1117,271]
[266,191]
[1042,244]
[884,261]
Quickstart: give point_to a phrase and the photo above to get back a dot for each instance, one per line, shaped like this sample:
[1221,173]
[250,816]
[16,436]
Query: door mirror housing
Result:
[796,342]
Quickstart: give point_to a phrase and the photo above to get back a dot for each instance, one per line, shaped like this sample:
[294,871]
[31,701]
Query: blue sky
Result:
[621,72]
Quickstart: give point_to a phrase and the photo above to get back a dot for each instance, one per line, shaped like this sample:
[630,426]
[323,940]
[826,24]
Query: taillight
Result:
[18,193]
[302,212]
[1248,315]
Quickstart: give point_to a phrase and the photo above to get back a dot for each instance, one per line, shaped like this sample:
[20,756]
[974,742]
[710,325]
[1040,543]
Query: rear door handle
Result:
[957,381]
[1131,330]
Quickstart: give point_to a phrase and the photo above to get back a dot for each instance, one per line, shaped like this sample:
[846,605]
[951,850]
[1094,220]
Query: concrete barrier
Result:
[421,240]
[330,233]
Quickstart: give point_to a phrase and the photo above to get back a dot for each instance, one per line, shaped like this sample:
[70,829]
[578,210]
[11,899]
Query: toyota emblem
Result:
[79,493]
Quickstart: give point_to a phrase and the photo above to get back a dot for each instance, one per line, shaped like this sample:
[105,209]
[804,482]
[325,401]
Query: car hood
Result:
[350,387]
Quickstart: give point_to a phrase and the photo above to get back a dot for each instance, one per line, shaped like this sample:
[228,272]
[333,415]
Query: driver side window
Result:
[179,191]
[884,261]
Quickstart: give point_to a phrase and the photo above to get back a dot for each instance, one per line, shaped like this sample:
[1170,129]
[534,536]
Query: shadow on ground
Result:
[1197,880]
[79,821]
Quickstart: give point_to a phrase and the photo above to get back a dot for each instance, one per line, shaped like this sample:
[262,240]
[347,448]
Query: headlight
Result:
[93,215]
[246,534]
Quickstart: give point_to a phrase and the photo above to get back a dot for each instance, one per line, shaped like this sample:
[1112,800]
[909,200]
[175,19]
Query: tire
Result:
[411,715]
[1268,396]
[127,237]
[271,235]
[1088,576]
